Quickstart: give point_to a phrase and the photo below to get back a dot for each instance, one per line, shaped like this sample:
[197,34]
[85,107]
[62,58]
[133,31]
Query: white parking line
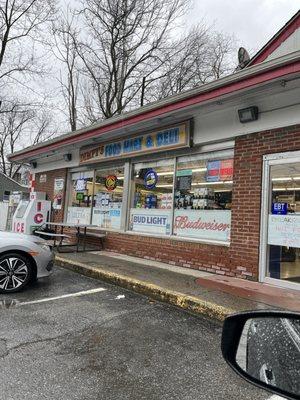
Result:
[275,397]
[64,296]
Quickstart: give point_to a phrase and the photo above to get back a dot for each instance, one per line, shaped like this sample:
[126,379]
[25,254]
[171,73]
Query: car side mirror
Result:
[264,348]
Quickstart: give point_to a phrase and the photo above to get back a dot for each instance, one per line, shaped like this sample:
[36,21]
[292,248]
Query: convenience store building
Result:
[206,179]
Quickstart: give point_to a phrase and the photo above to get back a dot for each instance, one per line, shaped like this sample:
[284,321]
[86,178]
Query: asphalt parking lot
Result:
[71,337]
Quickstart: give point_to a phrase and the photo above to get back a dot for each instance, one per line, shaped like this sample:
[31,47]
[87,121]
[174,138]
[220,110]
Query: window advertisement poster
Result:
[107,218]
[206,224]
[79,215]
[58,194]
[80,185]
[226,170]
[219,170]
[284,230]
[213,171]
[150,221]
[184,179]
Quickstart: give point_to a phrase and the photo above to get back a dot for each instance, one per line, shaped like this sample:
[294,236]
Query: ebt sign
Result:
[207,224]
[150,221]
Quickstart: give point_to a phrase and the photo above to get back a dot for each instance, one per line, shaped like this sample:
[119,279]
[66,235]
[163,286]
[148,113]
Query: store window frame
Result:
[206,156]
[266,197]
[100,167]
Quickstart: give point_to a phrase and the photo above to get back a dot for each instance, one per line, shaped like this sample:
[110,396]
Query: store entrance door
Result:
[280,233]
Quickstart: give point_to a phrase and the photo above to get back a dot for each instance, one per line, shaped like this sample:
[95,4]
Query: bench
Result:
[57,237]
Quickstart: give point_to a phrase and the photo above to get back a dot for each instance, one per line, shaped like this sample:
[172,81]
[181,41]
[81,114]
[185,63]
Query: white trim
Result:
[264,222]
[282,283]
[278,158]
[268,161]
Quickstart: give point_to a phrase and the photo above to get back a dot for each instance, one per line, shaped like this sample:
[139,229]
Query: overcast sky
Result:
[253,22]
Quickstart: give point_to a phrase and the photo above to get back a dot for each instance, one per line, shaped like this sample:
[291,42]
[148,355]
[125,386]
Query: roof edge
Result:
[276,40]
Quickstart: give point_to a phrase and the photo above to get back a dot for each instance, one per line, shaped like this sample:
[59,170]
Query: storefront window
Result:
[80,203]
[202,202]
[152,197]
[108,196]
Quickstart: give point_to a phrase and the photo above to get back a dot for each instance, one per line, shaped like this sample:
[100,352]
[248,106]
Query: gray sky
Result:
[253,22]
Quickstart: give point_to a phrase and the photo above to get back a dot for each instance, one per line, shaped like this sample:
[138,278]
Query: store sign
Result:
[43,178]
[284,230]
[173,137]
[219,170]
[206,224]
[79,196]
[150,221]
[150,179]
[111,182]
[279,208]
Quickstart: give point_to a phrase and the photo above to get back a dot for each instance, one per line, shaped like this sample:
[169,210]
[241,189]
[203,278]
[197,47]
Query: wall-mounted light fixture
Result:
[248,114]
[68,157]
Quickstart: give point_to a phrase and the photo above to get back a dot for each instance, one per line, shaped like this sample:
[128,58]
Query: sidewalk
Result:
[195,291]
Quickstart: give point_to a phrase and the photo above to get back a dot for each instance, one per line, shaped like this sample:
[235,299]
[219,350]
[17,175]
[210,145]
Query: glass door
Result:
[282,222]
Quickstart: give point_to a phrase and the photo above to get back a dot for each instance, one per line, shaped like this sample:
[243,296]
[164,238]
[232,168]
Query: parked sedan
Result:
[23,259]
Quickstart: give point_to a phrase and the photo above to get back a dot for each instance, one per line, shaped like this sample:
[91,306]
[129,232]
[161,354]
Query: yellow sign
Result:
[173,137]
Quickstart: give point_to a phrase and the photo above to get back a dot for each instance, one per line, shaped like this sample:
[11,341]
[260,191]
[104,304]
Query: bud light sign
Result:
[279,208]
[150,220]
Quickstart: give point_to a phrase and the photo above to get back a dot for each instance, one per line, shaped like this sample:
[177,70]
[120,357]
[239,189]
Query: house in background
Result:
[9,185]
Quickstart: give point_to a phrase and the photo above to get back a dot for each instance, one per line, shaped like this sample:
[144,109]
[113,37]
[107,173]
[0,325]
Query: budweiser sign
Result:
[203,224]
[183,222]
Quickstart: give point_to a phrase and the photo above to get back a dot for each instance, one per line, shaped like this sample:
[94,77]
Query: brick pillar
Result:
[246,196]
[48,187]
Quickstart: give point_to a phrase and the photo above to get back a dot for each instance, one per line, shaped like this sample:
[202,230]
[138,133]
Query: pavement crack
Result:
[3,348]
[24,344]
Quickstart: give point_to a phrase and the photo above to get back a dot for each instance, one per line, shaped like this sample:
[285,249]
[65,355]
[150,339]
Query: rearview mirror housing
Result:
[263,347]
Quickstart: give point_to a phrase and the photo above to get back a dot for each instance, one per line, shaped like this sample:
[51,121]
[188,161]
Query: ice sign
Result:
[279,208]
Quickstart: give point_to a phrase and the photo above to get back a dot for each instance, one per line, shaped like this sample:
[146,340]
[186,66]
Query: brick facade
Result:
[241,258]
[48,187]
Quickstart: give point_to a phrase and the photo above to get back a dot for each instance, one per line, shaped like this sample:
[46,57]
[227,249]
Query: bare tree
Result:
[122,44]
[23,121]
[20,125]
[65,36]
[202,56]
[20,25]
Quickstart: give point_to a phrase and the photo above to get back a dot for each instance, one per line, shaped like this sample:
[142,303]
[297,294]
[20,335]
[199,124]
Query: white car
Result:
[23,259]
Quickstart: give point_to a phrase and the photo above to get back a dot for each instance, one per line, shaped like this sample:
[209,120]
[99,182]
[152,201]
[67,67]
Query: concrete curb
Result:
[189,303]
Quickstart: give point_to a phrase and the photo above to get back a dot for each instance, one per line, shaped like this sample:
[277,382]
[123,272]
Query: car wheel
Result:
[15,272]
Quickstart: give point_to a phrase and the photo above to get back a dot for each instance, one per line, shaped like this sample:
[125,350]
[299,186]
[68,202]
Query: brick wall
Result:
[48,187]
[176,252]
[241,258]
